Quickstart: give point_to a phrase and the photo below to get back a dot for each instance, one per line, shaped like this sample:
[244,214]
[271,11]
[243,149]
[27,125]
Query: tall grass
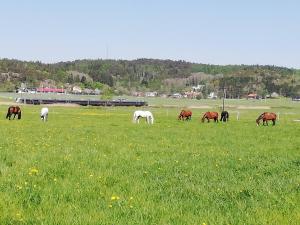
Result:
[94,166]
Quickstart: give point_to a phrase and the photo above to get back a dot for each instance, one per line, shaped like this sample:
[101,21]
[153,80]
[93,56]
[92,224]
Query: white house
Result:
[212,95]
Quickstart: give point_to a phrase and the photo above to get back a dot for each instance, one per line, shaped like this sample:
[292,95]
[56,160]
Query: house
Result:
[50,90]
[151,94]
[212,95]
[176,95]
[252,96]
[76,90]
[191,94]
[198,88]
[138,94]
[97,91]
[274,95]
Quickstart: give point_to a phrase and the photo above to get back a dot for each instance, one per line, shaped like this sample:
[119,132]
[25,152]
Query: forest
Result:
[163,76]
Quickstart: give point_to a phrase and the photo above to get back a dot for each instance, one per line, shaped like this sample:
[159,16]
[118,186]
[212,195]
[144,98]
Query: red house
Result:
[51,90]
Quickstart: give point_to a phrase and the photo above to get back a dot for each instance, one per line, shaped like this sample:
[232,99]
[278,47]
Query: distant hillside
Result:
[164,76]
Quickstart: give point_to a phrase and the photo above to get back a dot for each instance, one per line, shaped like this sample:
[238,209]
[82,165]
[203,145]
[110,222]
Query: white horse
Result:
[145,114]
[44,114]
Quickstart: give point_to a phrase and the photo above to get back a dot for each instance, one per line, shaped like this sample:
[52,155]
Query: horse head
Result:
[181,114]
[203,117]
[259,118]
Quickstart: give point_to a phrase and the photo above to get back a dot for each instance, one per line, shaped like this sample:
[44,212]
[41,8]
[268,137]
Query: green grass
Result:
[94,166]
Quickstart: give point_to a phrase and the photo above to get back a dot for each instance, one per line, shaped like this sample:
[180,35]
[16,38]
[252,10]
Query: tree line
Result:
[163,76]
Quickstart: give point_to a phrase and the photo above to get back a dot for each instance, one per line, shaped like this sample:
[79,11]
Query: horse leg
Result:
[14,116]
[273,122]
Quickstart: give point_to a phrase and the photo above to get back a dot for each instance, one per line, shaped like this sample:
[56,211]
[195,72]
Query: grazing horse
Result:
[210,115]
[187,114]
[44,114]
[144,114]
[16,110]
[224,116]
[265,117]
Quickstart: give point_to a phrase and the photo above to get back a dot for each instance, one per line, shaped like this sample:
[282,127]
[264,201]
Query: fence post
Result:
[237,115]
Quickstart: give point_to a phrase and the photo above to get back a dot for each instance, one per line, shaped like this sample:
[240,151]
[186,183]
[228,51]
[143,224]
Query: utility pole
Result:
[224,96]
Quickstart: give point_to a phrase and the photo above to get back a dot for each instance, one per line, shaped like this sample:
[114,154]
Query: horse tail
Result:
[19,114]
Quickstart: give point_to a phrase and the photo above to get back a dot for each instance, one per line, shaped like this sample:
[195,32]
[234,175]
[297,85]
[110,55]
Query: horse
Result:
[144,114]
[224,116]
[265,117]
[16,110]
[187,114]
[210,115]
[44,114]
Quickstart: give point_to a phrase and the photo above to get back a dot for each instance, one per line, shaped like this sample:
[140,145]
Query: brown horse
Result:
[185,114]
[14,110]
[265,117]
[210,115]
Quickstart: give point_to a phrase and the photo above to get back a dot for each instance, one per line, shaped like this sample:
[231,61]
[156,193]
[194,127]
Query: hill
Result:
[164,76]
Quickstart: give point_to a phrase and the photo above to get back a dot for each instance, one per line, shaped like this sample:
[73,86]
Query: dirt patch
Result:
[252,107]
[62,105]
[178,106]
[8,103]
[200,107]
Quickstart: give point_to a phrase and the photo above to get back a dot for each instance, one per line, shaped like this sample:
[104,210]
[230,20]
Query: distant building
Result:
[252,96]
[50,90]
[176,95]
[97,91]
[76,90]
[198,88]
[138,94]
[151,94]
[212,95]
[274,95]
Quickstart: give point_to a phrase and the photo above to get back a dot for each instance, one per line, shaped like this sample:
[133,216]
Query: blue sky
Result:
[214,31]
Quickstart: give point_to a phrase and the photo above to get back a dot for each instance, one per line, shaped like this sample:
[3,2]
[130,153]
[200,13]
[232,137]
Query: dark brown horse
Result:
[265,117]
[209,116]
[14,110]
[224,116]
[185,114]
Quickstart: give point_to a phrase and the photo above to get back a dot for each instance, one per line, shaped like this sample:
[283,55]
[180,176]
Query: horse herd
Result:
[265,117]
[184,115]
[16,111]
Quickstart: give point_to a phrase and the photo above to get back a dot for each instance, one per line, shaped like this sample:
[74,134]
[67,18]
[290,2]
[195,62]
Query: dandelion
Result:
[91,175]
[109,206]
[131,198]
[33,171]
[54,179]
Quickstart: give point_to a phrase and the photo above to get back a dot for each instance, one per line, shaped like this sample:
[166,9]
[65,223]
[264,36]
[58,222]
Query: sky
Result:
[221,32]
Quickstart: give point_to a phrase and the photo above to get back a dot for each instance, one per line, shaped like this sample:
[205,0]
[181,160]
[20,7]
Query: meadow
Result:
[90,165]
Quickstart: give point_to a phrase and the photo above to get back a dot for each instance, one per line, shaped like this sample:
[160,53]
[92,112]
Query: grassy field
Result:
[94,166]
